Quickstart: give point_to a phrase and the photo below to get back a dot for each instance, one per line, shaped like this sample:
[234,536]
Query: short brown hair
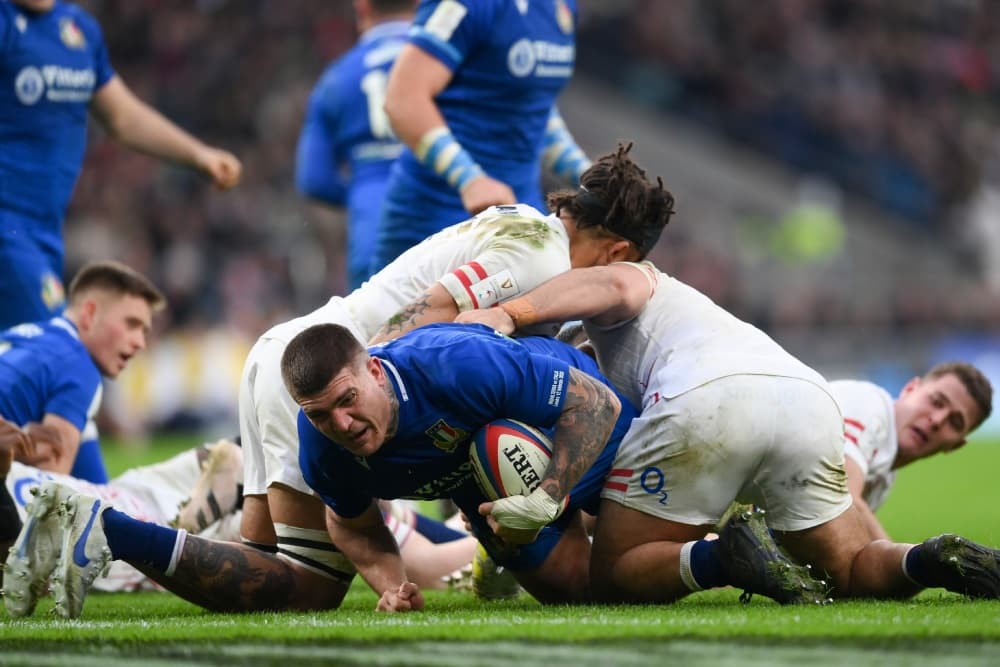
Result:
[117,278]
[316,355]
[977,384]
[615,194]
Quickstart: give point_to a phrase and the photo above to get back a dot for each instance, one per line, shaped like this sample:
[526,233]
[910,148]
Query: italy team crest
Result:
[564,17]
[445,437]
[53,294]
[71,35]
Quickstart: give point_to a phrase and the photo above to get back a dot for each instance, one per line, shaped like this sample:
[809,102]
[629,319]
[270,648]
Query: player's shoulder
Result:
[850,390]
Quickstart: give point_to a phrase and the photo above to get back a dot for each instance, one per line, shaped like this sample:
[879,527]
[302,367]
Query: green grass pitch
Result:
[951,493]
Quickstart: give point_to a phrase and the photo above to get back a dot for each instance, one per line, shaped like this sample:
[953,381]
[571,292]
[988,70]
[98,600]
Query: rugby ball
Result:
[509,458]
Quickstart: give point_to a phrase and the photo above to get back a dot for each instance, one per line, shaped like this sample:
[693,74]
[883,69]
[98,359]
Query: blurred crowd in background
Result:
[891,102]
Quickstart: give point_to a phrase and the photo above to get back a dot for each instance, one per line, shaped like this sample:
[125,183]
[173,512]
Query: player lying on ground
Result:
[727,415]
[932,414]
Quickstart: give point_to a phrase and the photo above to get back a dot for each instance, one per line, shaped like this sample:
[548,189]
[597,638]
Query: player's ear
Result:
[622,251]
[910,386]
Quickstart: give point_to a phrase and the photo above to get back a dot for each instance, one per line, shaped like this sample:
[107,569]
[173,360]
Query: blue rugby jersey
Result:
[50,65]
[347,147]
[450,380]
[510,60]
[44,368]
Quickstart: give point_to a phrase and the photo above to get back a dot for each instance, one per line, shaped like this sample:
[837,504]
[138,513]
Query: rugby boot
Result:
[961,566]
[753,562]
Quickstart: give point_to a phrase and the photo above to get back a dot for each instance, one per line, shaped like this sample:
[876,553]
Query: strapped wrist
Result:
[438,150]
[520,311]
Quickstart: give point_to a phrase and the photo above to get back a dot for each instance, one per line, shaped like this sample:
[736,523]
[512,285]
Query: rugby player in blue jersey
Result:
[396,421]
[54,69]
[50,371]
[347,146]
[472,95]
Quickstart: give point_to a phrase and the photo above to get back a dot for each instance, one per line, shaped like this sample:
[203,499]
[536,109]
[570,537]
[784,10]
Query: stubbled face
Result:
[933,415]
[36,5]
[114,329]
[354,410]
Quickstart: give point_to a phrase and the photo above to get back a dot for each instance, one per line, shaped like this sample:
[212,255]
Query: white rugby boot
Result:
[217,491]
[33,556]
[85,553]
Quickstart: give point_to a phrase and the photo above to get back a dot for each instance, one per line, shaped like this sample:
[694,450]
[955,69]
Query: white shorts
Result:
[268,415]
[776,442]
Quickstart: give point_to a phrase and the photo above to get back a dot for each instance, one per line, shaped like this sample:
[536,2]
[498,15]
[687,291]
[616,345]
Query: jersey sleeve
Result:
[331,482]
[103,70]
[518,258]
[449,29]
[318,156]
[76,394]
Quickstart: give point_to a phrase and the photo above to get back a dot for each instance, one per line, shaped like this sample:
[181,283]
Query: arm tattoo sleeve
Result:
[586,423]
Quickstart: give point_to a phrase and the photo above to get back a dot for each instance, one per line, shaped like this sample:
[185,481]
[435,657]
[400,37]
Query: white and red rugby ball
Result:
[509,458]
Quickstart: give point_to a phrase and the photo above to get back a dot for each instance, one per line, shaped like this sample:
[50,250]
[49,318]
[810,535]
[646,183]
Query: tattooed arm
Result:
[584,427]
[232,577]
[434,305]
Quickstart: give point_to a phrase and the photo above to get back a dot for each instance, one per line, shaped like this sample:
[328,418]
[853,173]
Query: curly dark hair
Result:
[616,194]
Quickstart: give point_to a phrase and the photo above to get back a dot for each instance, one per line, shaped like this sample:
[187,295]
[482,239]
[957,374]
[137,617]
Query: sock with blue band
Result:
[436,531]
[701,567]
[142,543]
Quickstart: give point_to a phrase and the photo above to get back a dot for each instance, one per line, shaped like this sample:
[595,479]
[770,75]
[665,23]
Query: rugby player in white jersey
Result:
[727,415]
[476,264]
[931,415]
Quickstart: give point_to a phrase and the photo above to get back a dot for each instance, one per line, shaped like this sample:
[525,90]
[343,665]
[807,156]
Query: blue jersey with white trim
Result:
[450,380]
[510,60]
[44,368]
[51,64]
[347,147]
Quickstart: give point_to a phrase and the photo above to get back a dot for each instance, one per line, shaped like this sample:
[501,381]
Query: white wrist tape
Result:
[527,512]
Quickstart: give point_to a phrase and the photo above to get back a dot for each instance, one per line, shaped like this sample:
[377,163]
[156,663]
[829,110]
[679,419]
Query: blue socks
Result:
[436,531]
[139,542]
[700,567]
[913,568]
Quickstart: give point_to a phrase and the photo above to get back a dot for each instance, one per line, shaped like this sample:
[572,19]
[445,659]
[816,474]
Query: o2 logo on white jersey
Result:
[29,85]
[521,58]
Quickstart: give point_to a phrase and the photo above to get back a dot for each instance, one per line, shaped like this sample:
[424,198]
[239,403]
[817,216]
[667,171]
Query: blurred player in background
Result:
[473,97]
[51,370]
[54,68]
[347,146]
[288,560]
[932,414]
[727,415]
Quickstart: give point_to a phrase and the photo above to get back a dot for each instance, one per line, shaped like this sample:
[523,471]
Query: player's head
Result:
[936,412]
[370,12]
[36,5]
[112,307]
[616,215]
[343,391]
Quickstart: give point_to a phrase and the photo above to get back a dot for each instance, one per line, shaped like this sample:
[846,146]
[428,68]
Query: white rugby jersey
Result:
[682,340]
[869,435]
[492,257]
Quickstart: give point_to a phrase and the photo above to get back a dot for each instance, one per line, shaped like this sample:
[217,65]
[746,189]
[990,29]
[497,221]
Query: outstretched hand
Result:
[222,167]
[405,598]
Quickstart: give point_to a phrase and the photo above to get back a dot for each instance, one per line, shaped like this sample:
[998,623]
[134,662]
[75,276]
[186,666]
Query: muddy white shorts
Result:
[773,441]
